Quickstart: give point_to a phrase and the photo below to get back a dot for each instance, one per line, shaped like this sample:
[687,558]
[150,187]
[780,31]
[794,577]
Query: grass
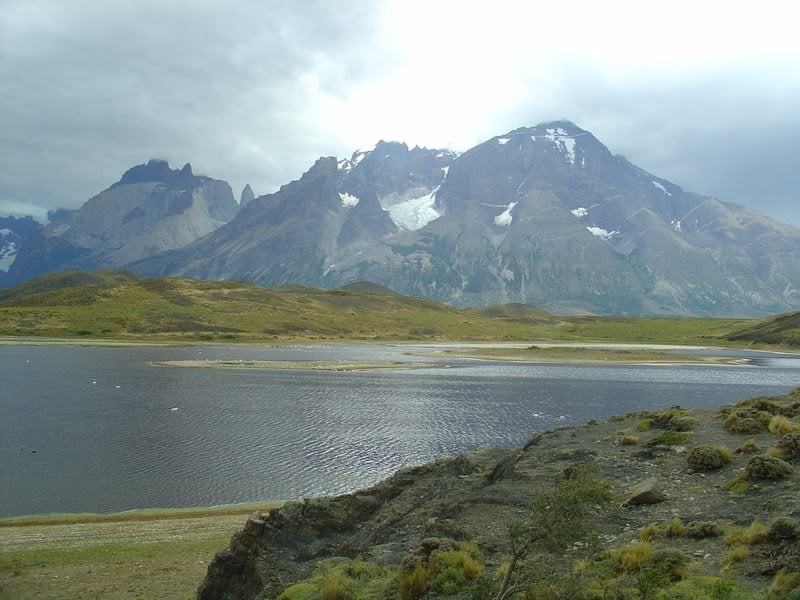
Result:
[115,305]
[136,554]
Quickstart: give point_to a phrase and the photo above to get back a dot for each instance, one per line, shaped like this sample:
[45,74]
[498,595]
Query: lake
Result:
[93,429]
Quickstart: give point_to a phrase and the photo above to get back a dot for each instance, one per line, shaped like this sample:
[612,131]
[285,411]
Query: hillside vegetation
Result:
[781,329]
[117,305]
[667,505]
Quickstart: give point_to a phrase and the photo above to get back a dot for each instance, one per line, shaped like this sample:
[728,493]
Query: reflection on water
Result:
[99,429]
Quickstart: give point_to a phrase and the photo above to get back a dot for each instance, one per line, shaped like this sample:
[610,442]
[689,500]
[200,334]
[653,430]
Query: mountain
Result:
[151,209]
[14,235]
[545,216]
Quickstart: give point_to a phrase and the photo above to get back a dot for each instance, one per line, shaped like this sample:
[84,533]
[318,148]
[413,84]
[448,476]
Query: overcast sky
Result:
[705,94]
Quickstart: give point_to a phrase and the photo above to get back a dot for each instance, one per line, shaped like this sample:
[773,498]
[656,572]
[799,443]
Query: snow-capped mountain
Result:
[545,215]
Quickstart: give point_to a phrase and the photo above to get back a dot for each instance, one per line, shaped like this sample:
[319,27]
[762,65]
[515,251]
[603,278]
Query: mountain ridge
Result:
[544,215]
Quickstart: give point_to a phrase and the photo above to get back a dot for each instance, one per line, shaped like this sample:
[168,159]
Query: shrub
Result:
[647,533]
[703,529]
[705,458]
[764,467]
[780,424]
[414,585]
[736,554]
[784,585]
[644,425]
[755,533]
[675,528]
[701,587]
[631,558]
[629,440]
[783,529]
[747,420]
[749,446]
[790,444]
[669,438]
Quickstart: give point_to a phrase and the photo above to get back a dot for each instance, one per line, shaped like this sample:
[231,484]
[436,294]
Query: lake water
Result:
[88,429]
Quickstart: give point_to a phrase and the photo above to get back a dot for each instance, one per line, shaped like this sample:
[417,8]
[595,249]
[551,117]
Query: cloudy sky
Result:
[703,93]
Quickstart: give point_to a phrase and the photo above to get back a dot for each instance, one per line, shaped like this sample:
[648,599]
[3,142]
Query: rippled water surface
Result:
[100,429]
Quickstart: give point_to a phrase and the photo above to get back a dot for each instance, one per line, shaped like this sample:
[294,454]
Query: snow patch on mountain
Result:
[348,200]
[561,138]
[5,232]
[344,165]
[414,214]
[503,141]
[445,171]
[601,233]
[661,187]
[8,253]
[505,217]
[676,224]
[579,212]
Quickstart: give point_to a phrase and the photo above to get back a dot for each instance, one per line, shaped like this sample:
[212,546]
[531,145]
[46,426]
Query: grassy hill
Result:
[782,329]
[117,305]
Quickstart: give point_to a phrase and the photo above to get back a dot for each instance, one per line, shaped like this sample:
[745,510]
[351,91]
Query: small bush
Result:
[703,529]
[780,424]
[631,558]
[629,440]
[648,532]
[790,444]
[783,529]
[644,425]
[736,554]
[749,446]
[747,420]
[784,585]
[755,533]
[705,458]
[764,467]
[669,438]
[739,485]
[775,452]
[700,587]
[676,528]
[414,585]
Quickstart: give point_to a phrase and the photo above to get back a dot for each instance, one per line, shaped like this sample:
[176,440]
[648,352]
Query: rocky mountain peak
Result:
[159,171]
[247,195]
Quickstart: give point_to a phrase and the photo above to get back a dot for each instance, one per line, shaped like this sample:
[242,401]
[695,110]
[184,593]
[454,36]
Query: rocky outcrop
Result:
[150,210]
[476,496]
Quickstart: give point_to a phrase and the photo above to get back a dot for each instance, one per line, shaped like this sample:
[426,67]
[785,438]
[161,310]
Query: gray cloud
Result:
[255,91]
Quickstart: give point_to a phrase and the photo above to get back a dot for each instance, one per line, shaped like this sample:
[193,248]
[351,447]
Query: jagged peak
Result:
[158,170]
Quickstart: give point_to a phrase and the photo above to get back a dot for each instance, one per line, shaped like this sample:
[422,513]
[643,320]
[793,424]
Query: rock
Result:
[645,492]
[247,195]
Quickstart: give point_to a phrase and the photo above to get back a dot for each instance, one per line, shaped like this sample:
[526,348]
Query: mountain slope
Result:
[151,209]
[545,216]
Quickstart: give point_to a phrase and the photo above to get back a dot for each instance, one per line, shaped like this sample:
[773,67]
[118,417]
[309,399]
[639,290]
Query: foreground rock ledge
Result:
[475,496]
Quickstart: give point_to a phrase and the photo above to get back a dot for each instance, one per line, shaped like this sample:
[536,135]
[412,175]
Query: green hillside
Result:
[782,329]
[115,304]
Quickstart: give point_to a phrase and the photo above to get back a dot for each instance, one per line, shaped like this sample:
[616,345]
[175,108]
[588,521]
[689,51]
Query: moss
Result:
[765,468]
[737,486]
[644,425]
